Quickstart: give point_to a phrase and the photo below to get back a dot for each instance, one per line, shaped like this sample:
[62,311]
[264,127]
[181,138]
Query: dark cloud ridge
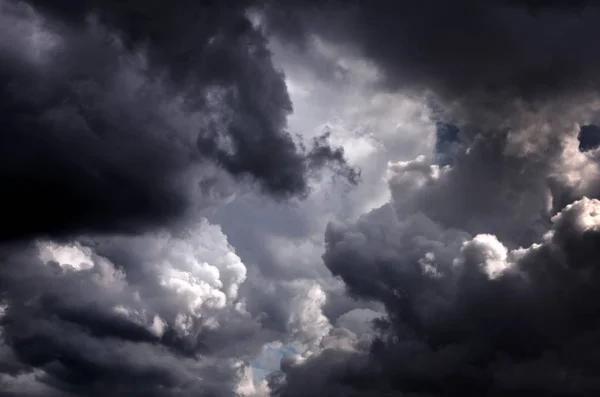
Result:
[117,122]
[493,49]
[102,130]
[89,144]
[518,81]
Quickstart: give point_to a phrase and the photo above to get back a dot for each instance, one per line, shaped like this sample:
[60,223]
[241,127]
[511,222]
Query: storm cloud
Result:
[485,257]
[152,156]
[112,114]
[460,48]
[120,124]
[487,269]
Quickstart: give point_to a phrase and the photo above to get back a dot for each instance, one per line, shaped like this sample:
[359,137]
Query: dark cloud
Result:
[465,315]
[119,121]
[470,312]
[156,315]
[563,5]
[119,117]
[110,112]
[494,49]
[507,78]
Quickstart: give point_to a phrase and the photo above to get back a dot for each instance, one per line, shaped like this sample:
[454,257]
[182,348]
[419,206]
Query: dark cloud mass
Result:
[466,315]
[459,48]
[109,108]
[119,120]
[487,264]
[125,316]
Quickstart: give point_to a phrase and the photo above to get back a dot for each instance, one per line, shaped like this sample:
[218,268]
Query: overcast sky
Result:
[260,198]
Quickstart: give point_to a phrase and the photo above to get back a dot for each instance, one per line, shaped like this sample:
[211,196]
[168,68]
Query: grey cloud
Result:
[469,312]
[460,48]
[479,319]
[514,82]
[157,315]
[507,78]
[111,113]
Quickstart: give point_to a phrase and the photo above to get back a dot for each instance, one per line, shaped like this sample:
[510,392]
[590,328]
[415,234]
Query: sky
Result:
[254,198]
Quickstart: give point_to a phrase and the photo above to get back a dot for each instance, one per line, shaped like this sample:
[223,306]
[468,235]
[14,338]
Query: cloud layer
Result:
[111,112]
[153,242]
[121,123]
[484,258]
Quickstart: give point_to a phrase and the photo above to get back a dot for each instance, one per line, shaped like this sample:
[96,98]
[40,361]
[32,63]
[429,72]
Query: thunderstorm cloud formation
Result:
[260,198]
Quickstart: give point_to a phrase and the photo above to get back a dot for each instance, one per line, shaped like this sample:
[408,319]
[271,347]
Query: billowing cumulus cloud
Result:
[486,268]
[458,48]
[467,314]
[155,312]
[119,124]
[153,154]
[485,257]
[112,115]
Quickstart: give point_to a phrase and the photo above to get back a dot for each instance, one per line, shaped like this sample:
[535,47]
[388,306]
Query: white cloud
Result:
[486,251]
[307,324]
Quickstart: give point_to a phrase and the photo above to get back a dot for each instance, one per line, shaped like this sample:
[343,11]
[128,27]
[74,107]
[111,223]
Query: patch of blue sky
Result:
[269,360]
[447,142]
[589,137]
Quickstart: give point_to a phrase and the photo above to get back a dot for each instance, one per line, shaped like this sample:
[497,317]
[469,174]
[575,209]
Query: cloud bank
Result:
[484,258]
[170,229]
[110,112]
